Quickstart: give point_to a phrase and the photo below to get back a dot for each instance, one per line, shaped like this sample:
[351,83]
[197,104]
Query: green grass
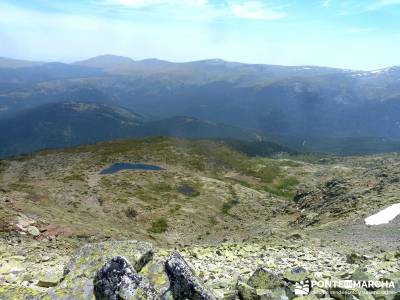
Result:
[161,188]
[159,226]
[212,220]
[227,206]
[310,158]
[231,203]
[284,187]
[74,177]
[267,173]
[175,208]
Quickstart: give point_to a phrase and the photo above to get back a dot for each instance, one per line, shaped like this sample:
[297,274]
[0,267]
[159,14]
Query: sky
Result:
[351,34]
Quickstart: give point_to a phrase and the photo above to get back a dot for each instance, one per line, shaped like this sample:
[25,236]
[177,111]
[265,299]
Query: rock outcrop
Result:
[224,272]
[82,268]
[263,284]
[117,280]
[184,284]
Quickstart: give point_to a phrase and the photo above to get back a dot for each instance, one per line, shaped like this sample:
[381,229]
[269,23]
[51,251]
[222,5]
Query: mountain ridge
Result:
[66,124]
[312,102]
[121,59]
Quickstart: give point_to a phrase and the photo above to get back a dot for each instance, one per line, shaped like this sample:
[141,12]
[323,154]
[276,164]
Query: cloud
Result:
[147,3]
[326,3]
[180,9]
[255,10]
[382,3]
[358,30]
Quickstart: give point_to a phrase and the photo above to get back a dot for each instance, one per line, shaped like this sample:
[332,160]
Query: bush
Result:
[227,206]
[159,226]
[131,213]
[284,187]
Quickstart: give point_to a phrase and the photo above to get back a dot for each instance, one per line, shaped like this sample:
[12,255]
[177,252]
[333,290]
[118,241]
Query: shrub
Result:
[159,226]
[131,213]
[227,206]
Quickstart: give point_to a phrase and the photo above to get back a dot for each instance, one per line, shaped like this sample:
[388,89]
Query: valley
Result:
[225,212]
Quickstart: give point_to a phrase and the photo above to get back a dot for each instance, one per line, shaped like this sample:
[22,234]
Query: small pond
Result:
[128,166]
[188,191]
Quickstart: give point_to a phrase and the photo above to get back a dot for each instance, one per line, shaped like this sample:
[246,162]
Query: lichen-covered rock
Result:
[296,275]
[81,269]
[263,284]
[342,293]
[92,256]
[362,276]
[389,293]
[20,292]
[184,284]
[154,271]
[264,279]
[49,279]
[32,230]
[307,297]
[117,280]
[246,292]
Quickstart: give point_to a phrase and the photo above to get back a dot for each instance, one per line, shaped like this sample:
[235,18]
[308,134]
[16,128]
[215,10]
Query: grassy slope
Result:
[234,195]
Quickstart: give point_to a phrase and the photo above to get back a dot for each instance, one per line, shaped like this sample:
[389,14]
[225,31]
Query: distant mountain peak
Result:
[110,57]
[213,61]
[154,60]
[384,71]
[17,63]
[106,61]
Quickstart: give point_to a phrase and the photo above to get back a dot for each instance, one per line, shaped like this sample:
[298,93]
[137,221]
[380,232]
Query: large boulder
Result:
[263,284]
[264,279]
[184,284]
[117,280]
[154,271]
[297,274]
[82,268]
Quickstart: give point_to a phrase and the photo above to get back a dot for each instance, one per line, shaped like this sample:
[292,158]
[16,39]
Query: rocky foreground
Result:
[138,270]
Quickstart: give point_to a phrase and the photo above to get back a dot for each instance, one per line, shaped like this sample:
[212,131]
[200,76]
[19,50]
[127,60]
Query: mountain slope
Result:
[16,63]
[187,127]
[68,124]
[63,125]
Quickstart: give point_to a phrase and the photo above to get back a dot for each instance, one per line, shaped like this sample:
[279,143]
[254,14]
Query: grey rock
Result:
[32,230]
[117,280]
[297,274]
[263,284]
[355,258]
[264,279]
[49,279]
[84,264]
[184,284]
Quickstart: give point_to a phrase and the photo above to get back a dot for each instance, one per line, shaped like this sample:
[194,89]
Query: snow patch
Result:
[384,216]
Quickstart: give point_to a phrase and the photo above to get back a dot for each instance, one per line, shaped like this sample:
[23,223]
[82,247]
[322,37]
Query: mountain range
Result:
[307,108]
[68,124]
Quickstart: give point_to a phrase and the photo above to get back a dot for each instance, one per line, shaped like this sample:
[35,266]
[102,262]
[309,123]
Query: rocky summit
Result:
[209,222]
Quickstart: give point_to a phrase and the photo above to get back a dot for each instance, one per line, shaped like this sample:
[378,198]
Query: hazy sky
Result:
[357,34]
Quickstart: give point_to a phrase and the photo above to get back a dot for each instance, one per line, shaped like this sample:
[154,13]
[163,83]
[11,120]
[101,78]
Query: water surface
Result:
[128,166]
